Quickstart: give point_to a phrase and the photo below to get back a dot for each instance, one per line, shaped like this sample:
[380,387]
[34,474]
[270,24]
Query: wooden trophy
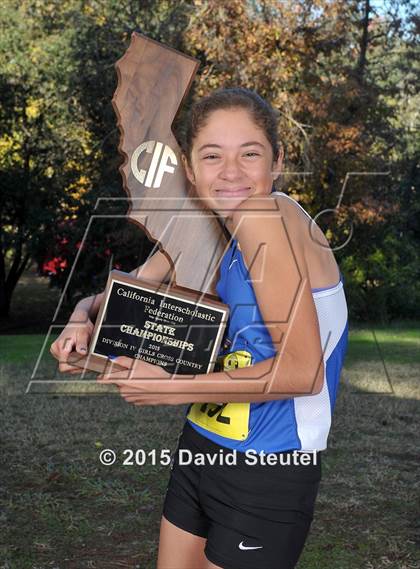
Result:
[179,325]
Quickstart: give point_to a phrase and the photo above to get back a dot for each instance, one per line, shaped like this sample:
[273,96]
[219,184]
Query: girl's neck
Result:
[227,222]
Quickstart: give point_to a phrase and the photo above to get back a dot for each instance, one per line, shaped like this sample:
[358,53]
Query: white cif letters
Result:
[159,163]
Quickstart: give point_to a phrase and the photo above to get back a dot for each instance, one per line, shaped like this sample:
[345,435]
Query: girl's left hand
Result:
[134,370]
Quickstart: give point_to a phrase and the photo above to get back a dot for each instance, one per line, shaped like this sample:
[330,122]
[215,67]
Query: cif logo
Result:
[163,160]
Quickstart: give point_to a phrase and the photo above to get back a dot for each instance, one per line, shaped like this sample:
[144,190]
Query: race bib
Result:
[229,420]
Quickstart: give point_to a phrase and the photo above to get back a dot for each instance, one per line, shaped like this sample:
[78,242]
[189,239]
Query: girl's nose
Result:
[230,170]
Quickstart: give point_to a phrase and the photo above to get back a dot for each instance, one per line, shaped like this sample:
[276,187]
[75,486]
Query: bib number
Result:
[230,420]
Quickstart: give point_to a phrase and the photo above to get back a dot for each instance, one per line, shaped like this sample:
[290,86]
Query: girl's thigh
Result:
[179,549]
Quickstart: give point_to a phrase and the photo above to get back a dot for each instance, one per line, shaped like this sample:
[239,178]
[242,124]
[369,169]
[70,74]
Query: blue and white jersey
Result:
[301,423]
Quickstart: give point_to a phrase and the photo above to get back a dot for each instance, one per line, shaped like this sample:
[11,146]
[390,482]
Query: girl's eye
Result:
[215,156]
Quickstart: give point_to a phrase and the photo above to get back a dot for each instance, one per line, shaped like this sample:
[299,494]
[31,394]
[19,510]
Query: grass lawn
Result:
[63,509]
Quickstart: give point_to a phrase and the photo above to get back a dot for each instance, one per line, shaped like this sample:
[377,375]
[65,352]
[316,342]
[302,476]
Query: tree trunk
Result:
[4,302]
[8,285]
[364,41]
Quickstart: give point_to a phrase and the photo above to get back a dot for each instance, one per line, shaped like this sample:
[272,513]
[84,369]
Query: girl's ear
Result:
[278,164]
[188,170]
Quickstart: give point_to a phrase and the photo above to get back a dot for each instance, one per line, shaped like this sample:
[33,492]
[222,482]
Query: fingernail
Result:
[112,357]
[82,349]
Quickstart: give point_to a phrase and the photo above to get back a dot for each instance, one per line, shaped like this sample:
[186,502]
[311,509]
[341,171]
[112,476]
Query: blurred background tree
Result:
[342,75]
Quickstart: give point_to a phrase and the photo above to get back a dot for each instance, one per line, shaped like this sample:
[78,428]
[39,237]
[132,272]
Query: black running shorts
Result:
[254,516]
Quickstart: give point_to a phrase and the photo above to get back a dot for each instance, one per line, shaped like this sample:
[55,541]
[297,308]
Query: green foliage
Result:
[385,284]
[341,74]
[58,147]
[43,145]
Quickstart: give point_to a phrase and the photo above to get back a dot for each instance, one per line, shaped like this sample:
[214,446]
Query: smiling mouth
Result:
[236,192]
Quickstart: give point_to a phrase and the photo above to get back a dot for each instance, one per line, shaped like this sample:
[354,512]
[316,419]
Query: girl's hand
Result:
[75,336]
[132,392]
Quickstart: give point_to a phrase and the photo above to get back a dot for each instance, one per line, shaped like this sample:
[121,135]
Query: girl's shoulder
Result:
[289,205]
[273,214]
[322,265]
[277,214]
[297,219]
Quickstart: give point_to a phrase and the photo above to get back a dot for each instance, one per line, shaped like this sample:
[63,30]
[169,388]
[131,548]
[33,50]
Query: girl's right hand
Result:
[75,337]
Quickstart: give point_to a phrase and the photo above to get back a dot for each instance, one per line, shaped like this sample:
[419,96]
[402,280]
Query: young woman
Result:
[288,325]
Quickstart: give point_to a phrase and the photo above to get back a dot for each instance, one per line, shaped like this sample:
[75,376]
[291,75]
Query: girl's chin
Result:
[224,204]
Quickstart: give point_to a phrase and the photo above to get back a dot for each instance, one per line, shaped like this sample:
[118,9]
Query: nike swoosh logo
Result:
[234,261]
[245,547]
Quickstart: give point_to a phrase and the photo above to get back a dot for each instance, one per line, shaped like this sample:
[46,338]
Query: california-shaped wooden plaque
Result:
[153,82]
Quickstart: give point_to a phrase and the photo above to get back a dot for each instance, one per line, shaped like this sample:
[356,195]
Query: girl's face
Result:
[231,160]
